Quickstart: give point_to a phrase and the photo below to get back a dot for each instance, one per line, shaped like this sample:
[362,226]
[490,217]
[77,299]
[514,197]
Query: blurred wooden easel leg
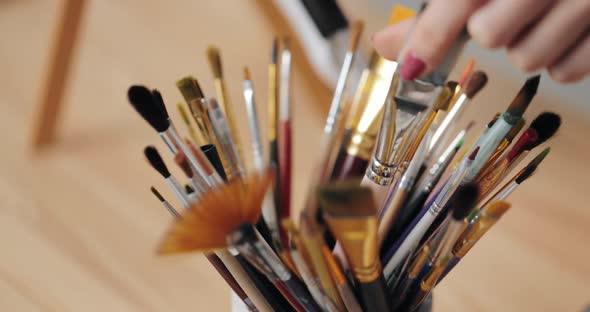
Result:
[56,75]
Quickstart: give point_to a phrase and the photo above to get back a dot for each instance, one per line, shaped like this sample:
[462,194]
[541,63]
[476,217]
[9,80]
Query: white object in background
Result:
[325,55]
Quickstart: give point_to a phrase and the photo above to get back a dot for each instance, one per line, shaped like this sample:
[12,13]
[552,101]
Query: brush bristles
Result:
[526,173]
[214,58]
[206,224]
[464,200]
[189,189]
[356,30]
[154,158]
[189,88]
[142,99]
[524,97]
[546,125]
[157,194]
[159,102]
[346,199]
[443,99]
[537,160]
[247,74]
[497,209]
[476,83]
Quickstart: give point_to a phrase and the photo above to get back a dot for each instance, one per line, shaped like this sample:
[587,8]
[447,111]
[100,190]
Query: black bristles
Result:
[151,153]
[464,200]
[524,96]
[526,173]
[143,101]
[189,189]
[159,102]
[157,194]
[546,125]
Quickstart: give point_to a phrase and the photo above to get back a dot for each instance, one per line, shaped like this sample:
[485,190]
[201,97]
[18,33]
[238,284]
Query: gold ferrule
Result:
[335,270]
[432,277]
[387,132]
[419,262]
[272,102]
[358,237]
[470,237]
[368,116]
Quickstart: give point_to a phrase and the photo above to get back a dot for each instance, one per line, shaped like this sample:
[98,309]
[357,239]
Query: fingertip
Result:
[389,41]
[562,76]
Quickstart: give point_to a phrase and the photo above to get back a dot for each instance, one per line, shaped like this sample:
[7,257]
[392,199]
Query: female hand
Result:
[537,34]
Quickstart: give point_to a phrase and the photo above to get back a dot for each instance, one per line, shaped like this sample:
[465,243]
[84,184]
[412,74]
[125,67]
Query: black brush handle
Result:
[374,295]
[326,15]
[211,153]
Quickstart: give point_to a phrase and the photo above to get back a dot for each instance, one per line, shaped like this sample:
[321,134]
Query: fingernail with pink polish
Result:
[412,66]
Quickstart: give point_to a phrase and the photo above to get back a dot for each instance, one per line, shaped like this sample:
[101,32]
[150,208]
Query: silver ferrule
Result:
[335,106]
[409,178]
[453,183]
[169,141]
[253,123]
[379,173]
[178,190]
[171,209]
[243,247]
[386,137]
[272,259]
[505,192]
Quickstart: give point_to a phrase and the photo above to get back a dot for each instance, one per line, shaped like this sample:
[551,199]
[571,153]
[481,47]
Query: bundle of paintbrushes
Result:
[380,244]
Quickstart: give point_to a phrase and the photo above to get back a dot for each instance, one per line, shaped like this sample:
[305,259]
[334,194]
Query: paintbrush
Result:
[501,149]
[191,91]
[214,58]
[475,84]
[213,258]
[503,125]
[152,109]
[414,233]
[518,179]
[478,227]
[250,244]
[284,135]
[226,141]
[157,163]
[463,201]
[541,129]
[189,126]
[466,72]
[350,212]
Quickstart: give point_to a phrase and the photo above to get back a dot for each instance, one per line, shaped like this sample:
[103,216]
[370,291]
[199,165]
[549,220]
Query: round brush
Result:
[151,107]
[173,212]
[154,158]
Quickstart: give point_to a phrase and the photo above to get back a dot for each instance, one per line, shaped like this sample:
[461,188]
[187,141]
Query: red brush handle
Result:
[525,142]
[284,172]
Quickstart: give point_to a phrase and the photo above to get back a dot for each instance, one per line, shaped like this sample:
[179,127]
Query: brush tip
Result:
[465,199]
[539,158]
[524,96]
[157,194]
[189,88]
[346,198]
[214,57]
[546,125]
[526,173]
[150,106]
[189,189]
[247,73]
[476,83]
[154,158]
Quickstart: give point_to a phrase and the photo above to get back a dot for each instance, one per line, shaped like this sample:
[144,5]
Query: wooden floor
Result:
[78,225]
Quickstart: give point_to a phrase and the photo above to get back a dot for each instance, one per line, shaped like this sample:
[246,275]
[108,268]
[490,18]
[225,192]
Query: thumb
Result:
[389,41]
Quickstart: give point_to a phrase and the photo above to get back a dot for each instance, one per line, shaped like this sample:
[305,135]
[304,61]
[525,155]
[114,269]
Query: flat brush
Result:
[541,129]
[504,124]
[464,200]
[214,58]
[152,109]
[350,212]
[413,234]
[249,242]
[191,91]
[501,149]
[157,163]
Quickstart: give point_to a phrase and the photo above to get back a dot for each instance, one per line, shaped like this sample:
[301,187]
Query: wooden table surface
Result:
[78,225]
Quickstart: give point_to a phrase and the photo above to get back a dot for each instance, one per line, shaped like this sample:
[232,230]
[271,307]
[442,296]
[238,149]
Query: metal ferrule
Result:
[505,192]
[244,247]
[178,190]
[253,122]
[456,178]
[171,209]
[226,142]
[335,111]
[379,173]
[272,260]
[169,141]
[359,240]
